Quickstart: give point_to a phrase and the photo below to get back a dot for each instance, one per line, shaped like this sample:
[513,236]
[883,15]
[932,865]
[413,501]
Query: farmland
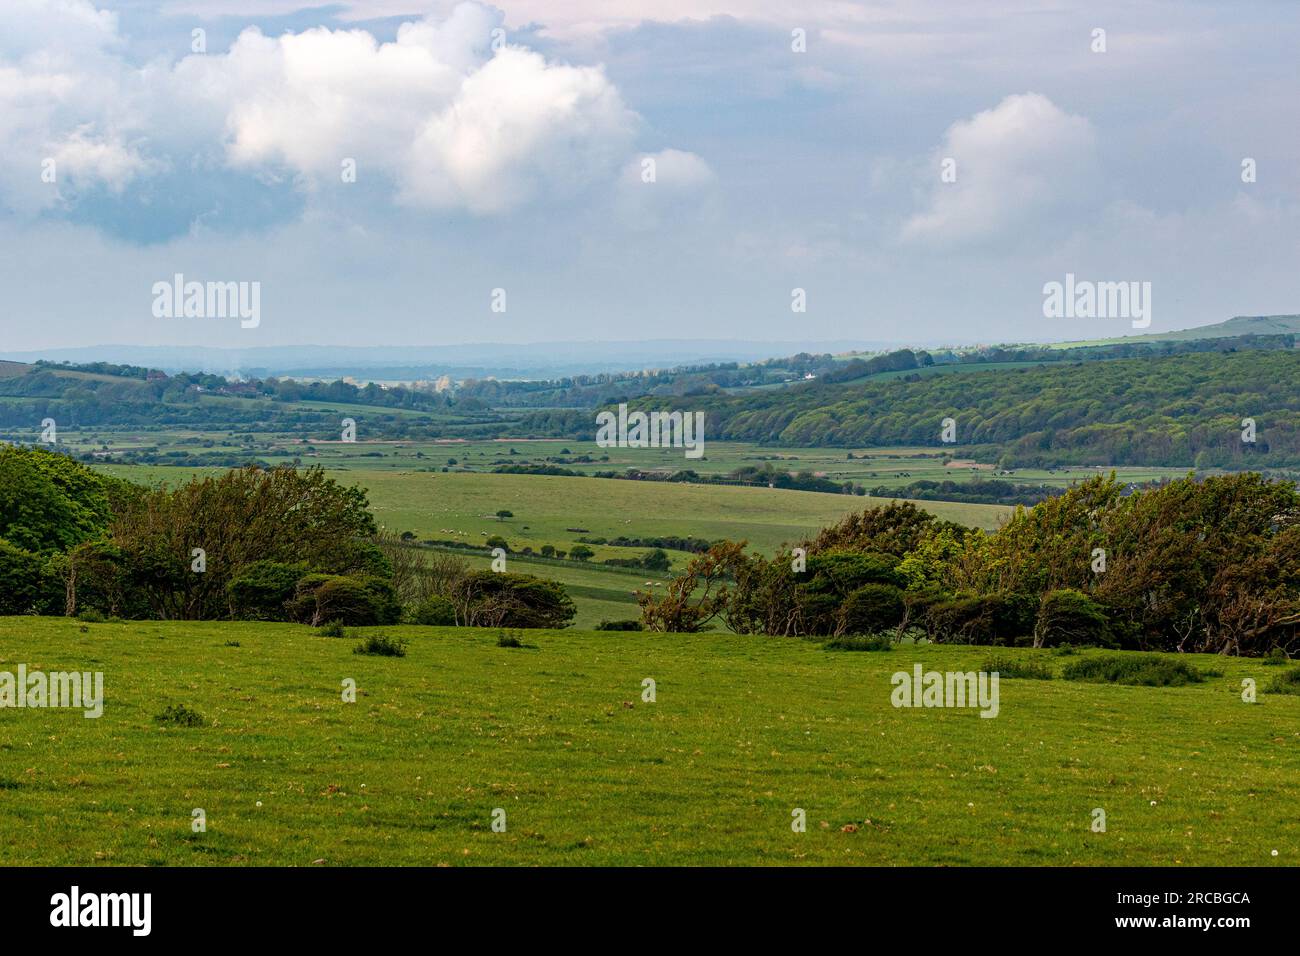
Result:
[743,730]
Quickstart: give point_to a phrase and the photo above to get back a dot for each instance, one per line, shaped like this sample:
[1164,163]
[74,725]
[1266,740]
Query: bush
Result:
[381,646]
[1146,670]
[619,626]
[1068,616]
[1286,683]
[508,640]
[1276,658]
[989,619]
[872,608]
[354,601]
[22,580]
[491,599]
[496,541]
[180,716]
[262,590]
[1025,669]
[433,611]
[333,629]
[873,642]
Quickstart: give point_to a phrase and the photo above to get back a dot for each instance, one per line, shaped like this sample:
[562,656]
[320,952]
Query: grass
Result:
[743,730]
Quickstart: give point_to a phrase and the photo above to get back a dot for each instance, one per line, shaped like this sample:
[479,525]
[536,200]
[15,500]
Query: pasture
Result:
[742,732]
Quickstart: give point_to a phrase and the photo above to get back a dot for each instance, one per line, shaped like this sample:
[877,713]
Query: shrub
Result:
[261,590]
[870,642]
[381,646]
[1286,683]
[496,541]
[1028,669]
[989,619]
[872,608]
[333,629]
[22,580]
[1276,658]
[1146,670]
[489,599]
[433,611]
[508,640]
[619,626]
[354,601]
[1068,616]
[180,716]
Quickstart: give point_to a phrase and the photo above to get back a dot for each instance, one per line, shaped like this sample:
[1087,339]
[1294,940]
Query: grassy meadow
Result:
[556,733]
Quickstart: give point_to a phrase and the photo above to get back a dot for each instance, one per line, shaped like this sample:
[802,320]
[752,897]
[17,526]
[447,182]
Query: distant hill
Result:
[1237,325]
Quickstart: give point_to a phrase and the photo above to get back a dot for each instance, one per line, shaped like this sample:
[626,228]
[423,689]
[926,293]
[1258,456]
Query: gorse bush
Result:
[1141,669]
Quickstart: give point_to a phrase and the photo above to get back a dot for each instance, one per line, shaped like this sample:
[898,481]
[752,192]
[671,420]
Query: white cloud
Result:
[438,116]
[1014,162]
[678,189]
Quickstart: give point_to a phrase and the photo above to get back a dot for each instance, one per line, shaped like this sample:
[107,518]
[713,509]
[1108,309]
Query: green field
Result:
[743,731]
[461,506]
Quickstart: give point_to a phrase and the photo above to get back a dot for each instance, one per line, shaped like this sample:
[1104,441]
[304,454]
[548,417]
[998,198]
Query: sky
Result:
[391,172]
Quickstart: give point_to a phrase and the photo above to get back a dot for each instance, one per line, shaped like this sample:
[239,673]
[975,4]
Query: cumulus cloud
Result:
[446,115]
[1024,157]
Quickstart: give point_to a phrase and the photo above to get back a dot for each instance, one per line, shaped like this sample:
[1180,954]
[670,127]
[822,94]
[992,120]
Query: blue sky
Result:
[513,160]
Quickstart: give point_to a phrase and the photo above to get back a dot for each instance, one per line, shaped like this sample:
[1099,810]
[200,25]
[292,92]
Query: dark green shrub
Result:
[1287,682]
[381,646]
[332,629]
[1000,619]
[1146,670]
[1068,616]
[869,642]
[619,626]
[261,590]
[433,611]
[354,601]
[22,580]
[491,599]
[508,640]
[1028,669]
[1276,658]
[180,716]
[872,608]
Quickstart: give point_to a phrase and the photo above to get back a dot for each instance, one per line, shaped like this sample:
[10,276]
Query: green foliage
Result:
[1002,618]
[866,642]
[632,625]
[491,599]
[380,645]
[433,611]
[1021,668]
[1287,682]
[509,640]
[49,502]
[262,590]
[351,601]
[23,581]
[1151,410]
[1068,616]
[1146,670]
[178,715]
[871,608]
